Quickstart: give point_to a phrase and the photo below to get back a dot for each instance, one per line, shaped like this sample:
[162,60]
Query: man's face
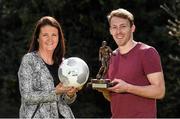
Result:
[121,30]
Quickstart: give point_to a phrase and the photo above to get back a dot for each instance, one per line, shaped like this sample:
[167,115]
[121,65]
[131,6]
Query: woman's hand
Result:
[72,91]
[61,89]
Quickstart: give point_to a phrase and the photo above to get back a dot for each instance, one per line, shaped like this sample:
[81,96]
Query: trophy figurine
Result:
[105,53]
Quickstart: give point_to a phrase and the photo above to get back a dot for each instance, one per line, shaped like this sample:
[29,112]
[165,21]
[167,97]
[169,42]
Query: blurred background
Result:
[85,26]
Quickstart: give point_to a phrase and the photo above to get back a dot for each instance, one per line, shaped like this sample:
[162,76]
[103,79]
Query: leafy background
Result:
[85,26]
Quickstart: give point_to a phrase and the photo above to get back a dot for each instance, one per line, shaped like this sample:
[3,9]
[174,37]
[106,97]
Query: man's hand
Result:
[120,87]
[105,92]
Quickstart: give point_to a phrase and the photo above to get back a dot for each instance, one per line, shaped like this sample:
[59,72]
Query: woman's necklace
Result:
[45,58]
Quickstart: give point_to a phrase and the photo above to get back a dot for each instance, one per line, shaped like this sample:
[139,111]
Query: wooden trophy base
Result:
[100,83]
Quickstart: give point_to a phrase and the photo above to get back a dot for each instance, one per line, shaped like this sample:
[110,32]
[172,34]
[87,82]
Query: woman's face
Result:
[48,38]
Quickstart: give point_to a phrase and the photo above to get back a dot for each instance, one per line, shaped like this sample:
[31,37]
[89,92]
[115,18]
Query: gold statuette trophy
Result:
[105,53]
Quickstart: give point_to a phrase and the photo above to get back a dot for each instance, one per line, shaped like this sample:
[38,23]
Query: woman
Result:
[42,95]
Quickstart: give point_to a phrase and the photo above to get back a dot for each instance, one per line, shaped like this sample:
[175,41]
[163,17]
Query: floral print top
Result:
[36,87]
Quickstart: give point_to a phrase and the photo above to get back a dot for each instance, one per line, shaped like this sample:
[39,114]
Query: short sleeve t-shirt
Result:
[133,68]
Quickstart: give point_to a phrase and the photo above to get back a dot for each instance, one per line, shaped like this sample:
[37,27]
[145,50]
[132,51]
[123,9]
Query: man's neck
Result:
[127,47]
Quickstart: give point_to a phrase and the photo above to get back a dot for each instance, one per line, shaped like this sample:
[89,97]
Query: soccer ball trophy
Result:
[73,71]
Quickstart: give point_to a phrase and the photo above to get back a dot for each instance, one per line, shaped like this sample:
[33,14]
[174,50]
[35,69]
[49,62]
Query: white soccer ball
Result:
[73,71]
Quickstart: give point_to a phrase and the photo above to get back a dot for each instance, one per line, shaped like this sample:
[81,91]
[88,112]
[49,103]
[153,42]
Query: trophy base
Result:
[100,83]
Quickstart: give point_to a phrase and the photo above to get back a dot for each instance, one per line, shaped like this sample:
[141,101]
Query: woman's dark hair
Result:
[60,49]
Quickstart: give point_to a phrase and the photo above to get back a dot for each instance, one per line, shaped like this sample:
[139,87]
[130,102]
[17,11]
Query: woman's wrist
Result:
[70,95]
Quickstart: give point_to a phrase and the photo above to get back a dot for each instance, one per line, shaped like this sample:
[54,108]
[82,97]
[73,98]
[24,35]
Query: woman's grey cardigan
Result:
[36,87]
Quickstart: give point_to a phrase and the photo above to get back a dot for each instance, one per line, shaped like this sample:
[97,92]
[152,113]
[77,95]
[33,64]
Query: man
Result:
[104,56]
[136,68]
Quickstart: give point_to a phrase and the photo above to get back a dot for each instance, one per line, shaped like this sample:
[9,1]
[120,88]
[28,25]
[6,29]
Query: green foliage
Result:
[85,26]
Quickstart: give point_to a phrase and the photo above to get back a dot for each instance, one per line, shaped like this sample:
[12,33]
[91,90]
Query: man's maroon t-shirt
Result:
[133,68]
